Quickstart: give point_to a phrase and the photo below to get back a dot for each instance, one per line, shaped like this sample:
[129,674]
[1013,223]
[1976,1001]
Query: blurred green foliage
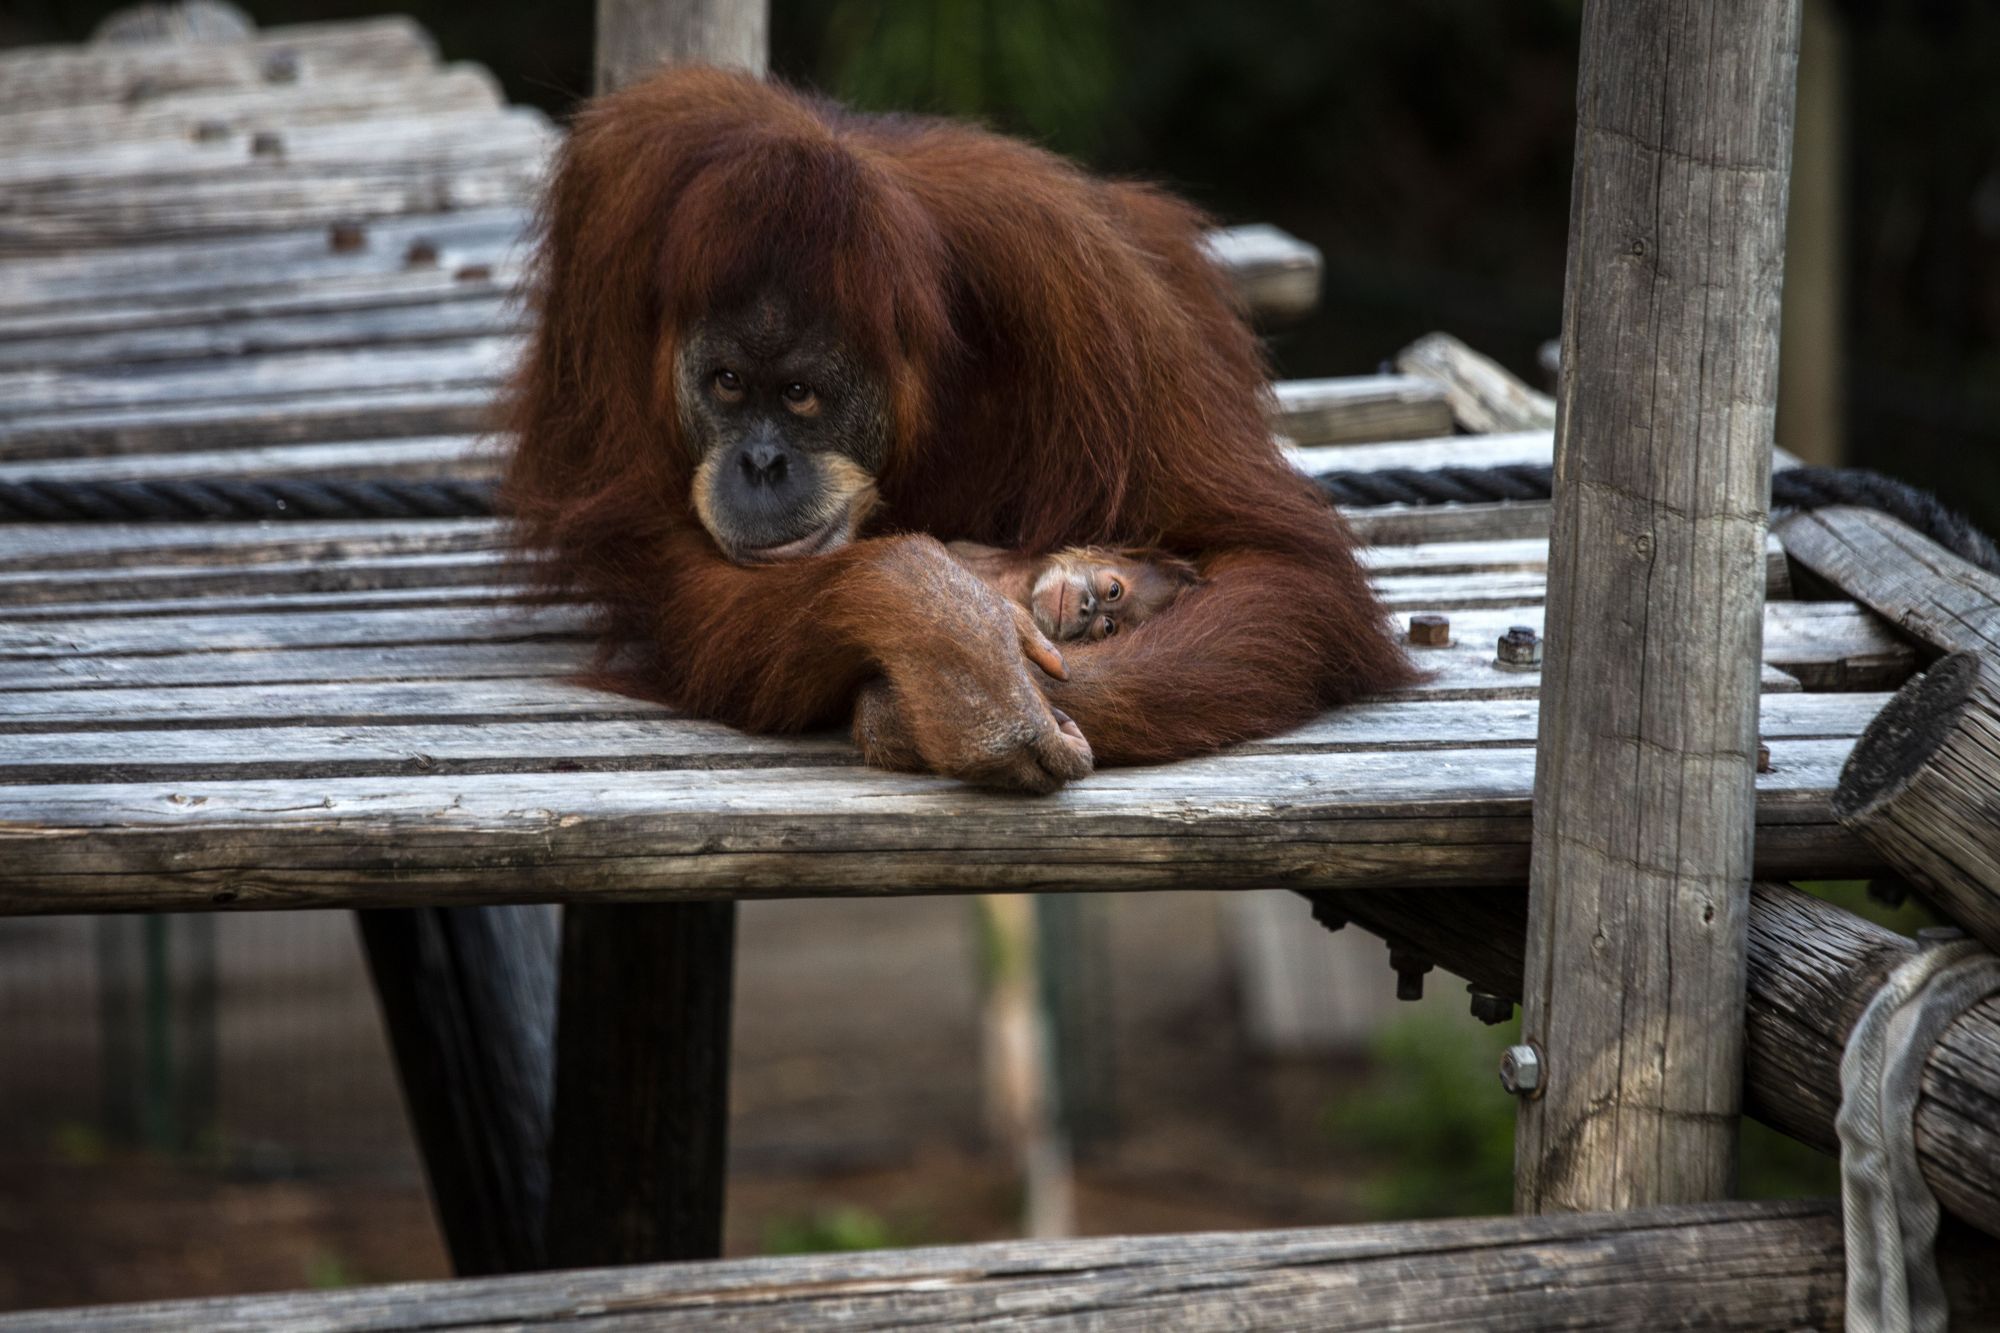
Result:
[823,1231]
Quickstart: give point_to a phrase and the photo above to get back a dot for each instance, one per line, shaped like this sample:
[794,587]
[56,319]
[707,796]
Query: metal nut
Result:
[421,254]
[473,273]
[1521,1071]
[1763,758]
[1430,630]
[1520,649]
[1489,1008]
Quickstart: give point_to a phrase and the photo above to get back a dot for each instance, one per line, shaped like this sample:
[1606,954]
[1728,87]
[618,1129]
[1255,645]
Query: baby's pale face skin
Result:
[1082,595]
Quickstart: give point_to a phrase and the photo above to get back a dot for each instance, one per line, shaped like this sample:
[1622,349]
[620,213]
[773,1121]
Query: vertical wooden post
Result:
[642,1041]
[1647,751]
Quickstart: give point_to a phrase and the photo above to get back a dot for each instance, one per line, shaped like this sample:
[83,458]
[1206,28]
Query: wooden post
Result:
[1648,742]
[642,1041]
[635,37]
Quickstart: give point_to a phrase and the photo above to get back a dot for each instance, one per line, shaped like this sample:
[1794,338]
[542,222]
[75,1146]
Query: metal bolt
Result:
[267,143]
[1521,1071]
[1430,630]
[281,67]
[1763,758]
[1932,937]
[1410,968]
[346,237]
[473,273]
[209,131]
[1520,649]
[1489,1008]
[421,254]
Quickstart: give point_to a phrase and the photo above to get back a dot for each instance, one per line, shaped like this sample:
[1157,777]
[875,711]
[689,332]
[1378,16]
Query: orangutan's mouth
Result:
[829,537]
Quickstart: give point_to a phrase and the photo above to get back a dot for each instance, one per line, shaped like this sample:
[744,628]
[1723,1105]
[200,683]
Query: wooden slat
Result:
[1365,407]
[1277,274]
[40,76]
[1720,1266]
[1235,821]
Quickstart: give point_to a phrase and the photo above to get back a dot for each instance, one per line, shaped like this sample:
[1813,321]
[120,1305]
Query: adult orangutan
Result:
[783,351]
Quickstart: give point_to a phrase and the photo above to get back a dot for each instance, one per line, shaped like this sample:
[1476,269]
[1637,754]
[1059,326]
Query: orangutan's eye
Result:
[728,384]
[1113,590]
[801,399]
[1107,627]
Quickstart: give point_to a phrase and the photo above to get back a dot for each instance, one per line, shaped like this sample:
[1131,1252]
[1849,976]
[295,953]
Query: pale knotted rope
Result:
[1889,1213]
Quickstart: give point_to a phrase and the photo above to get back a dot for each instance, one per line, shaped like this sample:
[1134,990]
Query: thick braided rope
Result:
[1888,1212]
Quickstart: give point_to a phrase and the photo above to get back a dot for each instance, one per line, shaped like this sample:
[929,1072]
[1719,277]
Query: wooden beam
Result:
[636,37]
[1646,762]
[1812,969]
[1721,1266]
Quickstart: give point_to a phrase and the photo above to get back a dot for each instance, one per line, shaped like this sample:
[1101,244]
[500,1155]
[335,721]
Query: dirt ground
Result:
[856,1119]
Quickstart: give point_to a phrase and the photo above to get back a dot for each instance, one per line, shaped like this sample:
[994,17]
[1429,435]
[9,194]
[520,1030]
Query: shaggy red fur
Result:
[1065,366]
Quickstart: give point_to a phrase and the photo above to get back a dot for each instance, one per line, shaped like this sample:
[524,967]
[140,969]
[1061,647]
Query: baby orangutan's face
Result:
[1092,592]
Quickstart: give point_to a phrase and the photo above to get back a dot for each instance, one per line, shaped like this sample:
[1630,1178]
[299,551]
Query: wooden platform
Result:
[297,257]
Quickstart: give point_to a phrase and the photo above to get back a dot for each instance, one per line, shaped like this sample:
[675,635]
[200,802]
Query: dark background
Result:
[1423,145]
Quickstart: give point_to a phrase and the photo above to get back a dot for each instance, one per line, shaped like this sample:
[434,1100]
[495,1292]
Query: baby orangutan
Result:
[1081,592]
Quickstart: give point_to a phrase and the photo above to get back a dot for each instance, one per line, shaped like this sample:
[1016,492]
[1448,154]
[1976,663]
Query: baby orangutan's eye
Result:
[1106,627]
[1113,590]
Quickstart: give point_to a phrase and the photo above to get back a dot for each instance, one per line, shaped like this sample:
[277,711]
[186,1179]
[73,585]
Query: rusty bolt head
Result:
[1763,758]
[1521,1071]
[473,273]
[1489,1008]
[267,143]
[346,237]
[210,131]
[281,67]
[1520,649]
[421,254]
[1430,630]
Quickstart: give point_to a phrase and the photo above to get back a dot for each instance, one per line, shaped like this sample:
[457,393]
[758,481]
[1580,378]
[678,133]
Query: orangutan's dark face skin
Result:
[789,428]
[1090,593]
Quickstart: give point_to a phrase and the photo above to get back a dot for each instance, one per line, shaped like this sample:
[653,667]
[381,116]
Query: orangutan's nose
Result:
[762,464]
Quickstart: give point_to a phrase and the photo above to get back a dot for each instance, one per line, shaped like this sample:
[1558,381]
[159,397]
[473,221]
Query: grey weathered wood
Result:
[1647,757]
[1721,1266]
[1812,969]
[1277,274]
[375,730]
[1363,407]
[1483,396]
[40,76]
[1902,575]
[460,457]
[635,37]
[1923,787]
[1322,820]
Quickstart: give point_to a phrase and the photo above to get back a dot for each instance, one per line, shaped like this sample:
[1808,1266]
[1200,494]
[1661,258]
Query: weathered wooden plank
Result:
[1365,407]
[334,629]
[95,546]
[1644,786]
[1237,821]
[241,111]
[484,736]
[1813,967]
[364,415]
[124,169]
[35,76]
[193,275]
[1277,274]
[299,671]
[1721,1266]
[1483,396]
[459,457]
[1905,577]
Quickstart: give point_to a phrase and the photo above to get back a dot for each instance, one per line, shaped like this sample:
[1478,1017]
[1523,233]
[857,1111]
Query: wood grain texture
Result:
[1812,969]
[1484,397]
[635,37]
[1900,574]
[1721,1266]
[1923,787]
[1643,793]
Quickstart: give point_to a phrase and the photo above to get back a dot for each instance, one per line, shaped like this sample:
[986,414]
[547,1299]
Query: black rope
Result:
[201,499]
[211,499]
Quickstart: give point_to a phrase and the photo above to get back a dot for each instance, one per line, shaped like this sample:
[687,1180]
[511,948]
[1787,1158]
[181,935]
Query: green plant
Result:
[840,1228]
